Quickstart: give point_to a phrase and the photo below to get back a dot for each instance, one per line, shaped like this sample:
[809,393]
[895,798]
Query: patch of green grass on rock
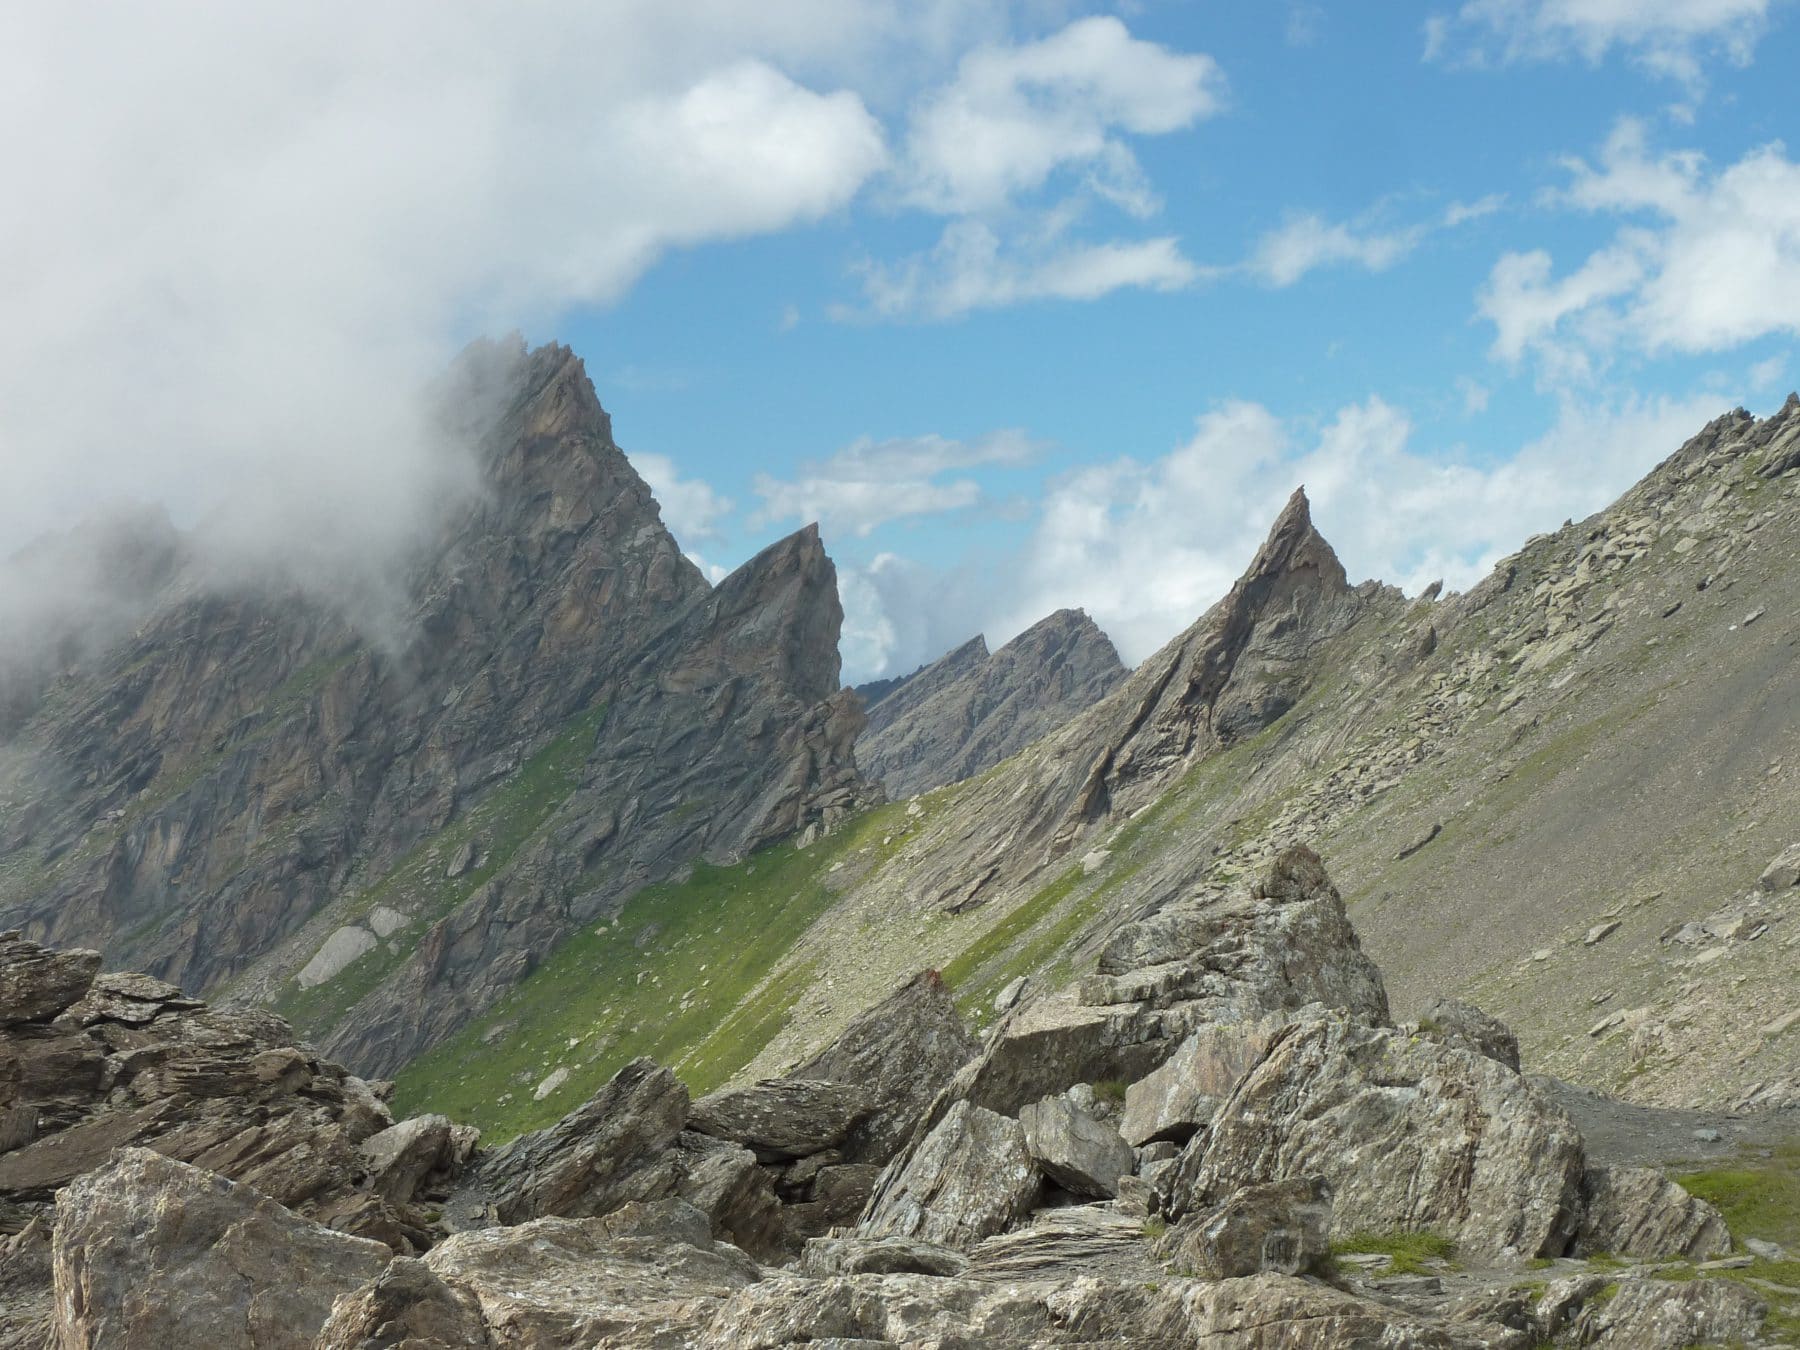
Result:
[1408,1253]
[682,975]
[1759,1196]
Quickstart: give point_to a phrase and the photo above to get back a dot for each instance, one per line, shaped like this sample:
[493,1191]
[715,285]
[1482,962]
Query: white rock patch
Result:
[340,949]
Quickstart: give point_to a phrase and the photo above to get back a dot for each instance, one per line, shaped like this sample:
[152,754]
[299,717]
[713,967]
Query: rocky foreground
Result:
[1170,1160]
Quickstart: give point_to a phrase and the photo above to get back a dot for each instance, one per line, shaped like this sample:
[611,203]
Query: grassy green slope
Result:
[682,975]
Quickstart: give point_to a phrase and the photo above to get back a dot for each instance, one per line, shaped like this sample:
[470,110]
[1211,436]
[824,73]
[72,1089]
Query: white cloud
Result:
[1769,373]
[1475,395]
[1705,261]
[870,483]
[1672,38]
[972,268]
[1306,242]
[1017,148]
[1146,547]
[235,239]
[691,509]
[1461,213]
[1015,115]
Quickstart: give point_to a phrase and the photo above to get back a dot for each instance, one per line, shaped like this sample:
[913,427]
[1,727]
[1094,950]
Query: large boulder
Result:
[782,1118]
[606,1152]
[151,1254]
[36,983]
[1084,1156]
[1178,1098]
[1264,951]
[133,1061]
[424,1154]
[900,1054]
[1467,1027]
[1278,944]
[1670,1315]
[970,1177]
[644,1275]
[1637,1211]
[408,1306]
[1406,1134]
[1277,1225]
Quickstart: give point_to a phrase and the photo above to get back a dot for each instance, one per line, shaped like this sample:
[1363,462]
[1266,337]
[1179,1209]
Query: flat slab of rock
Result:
[782,1118]
[1406,1134]
[971,1177]
[150,1254]
[827,1256]
[1084,1156]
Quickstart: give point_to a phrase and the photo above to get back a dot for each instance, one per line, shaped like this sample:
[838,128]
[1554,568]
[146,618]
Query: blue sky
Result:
[1031,304]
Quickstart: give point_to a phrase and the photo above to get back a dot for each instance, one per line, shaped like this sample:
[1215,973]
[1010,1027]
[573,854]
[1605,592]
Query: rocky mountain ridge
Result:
[970,709]
[381,835]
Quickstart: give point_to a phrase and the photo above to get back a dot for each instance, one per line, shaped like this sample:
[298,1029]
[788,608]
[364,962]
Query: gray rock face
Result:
[407,1306]
[552,609]
[1407,1135]
[901,1053]
[1177,1099]
[782,1118]
[1783,872]
[971,1176]
[1671,1315]
[1082,1155]
[1464,1025]
[648,1275]
[151,1253]
[36,983]
[968,711]
[1276,1226]
[136,1062]
[608,1151]
[1266,950]
[1636,1211]
[424,1154]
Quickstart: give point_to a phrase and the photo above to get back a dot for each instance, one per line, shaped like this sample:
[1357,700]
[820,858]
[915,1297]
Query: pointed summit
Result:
[1239,668]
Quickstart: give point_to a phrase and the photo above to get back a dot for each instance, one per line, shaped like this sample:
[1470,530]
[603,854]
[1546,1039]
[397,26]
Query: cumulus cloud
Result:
[1704,260]
[870,483]
[235,240]
[1146,546]
[1016,114]
[1671,38]
[1026,141]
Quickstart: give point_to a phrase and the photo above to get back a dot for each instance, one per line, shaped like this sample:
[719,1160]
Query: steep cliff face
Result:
[195,798]
[969,710]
